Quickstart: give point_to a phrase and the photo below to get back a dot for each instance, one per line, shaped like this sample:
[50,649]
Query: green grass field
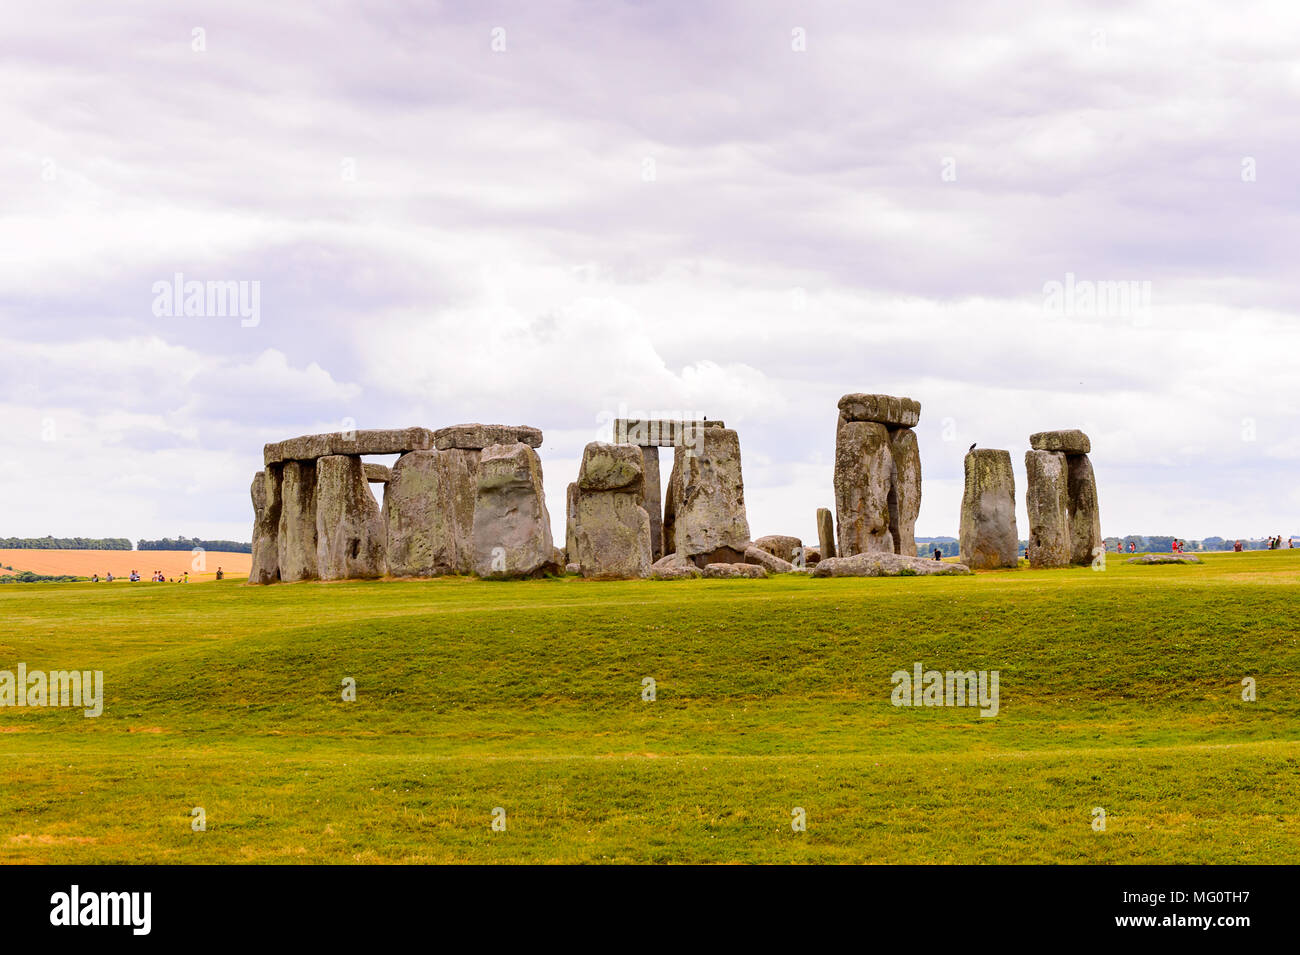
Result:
[1120,689]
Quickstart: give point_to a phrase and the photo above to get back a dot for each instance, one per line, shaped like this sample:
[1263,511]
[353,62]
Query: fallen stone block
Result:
[768,561]
[734,570]
[881,564]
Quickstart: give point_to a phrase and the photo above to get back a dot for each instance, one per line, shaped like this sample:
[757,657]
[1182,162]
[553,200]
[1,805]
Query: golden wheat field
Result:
[120,563]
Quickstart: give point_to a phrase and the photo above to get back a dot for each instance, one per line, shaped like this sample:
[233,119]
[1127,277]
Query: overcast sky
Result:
[551,213]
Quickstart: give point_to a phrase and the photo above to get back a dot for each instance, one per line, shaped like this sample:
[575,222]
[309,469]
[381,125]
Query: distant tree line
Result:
[181,543]
[64,543]
[27,577]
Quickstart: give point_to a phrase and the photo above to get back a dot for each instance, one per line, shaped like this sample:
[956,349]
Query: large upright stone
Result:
[1047,498]
[296,540]
[350,536]
[612,536]
[905,503]
[825,533]
[988,511]
[429,513]
[707,500]
[512,530]
[571,523]
[651,500]
[611,530]
[266,526]
[864,476]
[1085,513]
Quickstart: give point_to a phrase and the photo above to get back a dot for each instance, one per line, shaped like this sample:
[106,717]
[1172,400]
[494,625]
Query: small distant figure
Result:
[938,554]
[1132,547]
[94,578]
[1237,547]
[109,577]
[186,579]
[221,574]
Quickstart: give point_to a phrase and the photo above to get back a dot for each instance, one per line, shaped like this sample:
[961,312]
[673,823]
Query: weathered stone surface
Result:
[476,437]
[312,446]
[882,409]
[429,513]
[571,521]
[1085,514]
[779,545]
[266,526]
[572,568]
[988,511]
[825,532]
[707,499]
[512,530]
[296,540]
[378,473]
[611,467]
[905,500]
[613,535]
[1072,441]
[674,567]
[1047,498]
[1165,559]
[734,570]
[651,502]
[880,564]
[767,560]
[350,536]
[660,433]
[812,556]
[864,468]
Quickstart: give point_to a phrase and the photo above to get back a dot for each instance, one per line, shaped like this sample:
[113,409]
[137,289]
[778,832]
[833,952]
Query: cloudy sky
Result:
[551,213]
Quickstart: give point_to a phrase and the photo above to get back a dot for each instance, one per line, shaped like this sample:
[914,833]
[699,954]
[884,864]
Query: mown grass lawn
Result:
[1119,689]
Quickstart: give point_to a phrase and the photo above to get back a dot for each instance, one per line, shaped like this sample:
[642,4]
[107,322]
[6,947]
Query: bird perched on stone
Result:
[971,448]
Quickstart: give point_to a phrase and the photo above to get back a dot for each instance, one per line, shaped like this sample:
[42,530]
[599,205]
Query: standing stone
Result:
[1047,498]
[611,529]
[266,526]
[429,513]
[825,533]
[571,523]
[864,468]
[512,530]
[350,536]
[906,505]
[1085,514]
[651,499]
[988,511]
[707,500]
[296,540]
[612,536]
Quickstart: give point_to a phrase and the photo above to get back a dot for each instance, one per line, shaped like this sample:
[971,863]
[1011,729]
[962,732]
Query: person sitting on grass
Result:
[221,575]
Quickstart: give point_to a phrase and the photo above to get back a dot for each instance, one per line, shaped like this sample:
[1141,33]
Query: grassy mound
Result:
[1119,690]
